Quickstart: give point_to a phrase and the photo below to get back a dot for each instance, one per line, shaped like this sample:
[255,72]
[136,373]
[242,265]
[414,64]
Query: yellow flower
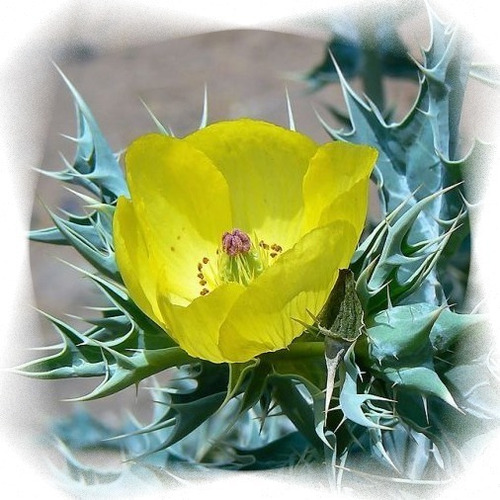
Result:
[234,232]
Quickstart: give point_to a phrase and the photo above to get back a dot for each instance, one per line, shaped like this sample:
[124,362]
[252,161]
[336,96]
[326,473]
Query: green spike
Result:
[95,162]
[204,113]
[161,128]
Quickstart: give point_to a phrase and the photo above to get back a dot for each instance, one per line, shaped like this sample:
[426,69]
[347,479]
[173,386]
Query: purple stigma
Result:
[235,242]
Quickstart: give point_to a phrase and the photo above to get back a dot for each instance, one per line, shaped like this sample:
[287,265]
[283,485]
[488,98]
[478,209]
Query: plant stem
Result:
[371,69]
[298,350]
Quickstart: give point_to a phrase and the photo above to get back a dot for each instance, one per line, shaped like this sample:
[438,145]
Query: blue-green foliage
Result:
[95,166]
[411,270]
[418,157]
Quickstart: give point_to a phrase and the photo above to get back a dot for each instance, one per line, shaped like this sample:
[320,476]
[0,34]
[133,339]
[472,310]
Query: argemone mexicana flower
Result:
[236,231]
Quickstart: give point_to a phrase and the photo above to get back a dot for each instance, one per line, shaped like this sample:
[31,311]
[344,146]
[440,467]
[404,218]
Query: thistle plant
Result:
[233,258]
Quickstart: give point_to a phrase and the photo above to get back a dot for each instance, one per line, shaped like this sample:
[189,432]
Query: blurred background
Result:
[119,61]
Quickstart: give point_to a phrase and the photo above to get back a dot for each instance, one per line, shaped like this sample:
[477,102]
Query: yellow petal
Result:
[262,319]
[133,258]
[264,166]
[336,185]
[196,327]
[182,204]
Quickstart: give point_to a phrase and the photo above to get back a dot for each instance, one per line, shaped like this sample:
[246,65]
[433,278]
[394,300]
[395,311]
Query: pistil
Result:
[239,261]
[236,242]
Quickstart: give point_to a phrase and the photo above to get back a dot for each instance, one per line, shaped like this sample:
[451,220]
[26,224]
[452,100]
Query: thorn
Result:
[375,111]
[426,409]
[164,130]
[70,138]
[389,301]
[204,114]
[313,317]
[341,422]
[291,121]
[471,206]
[91,202]
[303,323]
[335,134]
[346,88]
[476,308]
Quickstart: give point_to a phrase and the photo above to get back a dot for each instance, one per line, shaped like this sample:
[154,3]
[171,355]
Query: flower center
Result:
[236,242]
[239,260]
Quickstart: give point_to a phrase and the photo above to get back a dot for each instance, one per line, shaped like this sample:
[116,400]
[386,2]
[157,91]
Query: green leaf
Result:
[413,156]
[283,452]
[295,407]
[95,166]
[476,389]
[102,257]
[83,225]
[352,403]
[80,430]
[421,379]
[237,373]
[188,417]
[399,336]
[303,361]
[126,370]
[350,57]
[256,386]
[389,269]
[74,359]
[181,410]
[141,350]
[83,356]
[451,326]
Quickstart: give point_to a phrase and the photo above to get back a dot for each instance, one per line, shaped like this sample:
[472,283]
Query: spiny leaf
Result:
[302,361]
[255,388]
[141,349]
[400,336]
[84,226]
[412,154]
[476,388]
[126,370]
[422,379]
[282,452]
[94,160]
[185,411]
[74,359]
[237,373]
[101,257]
[451,327]
[350,54]
[388,265]
[353,403]
[295,407]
